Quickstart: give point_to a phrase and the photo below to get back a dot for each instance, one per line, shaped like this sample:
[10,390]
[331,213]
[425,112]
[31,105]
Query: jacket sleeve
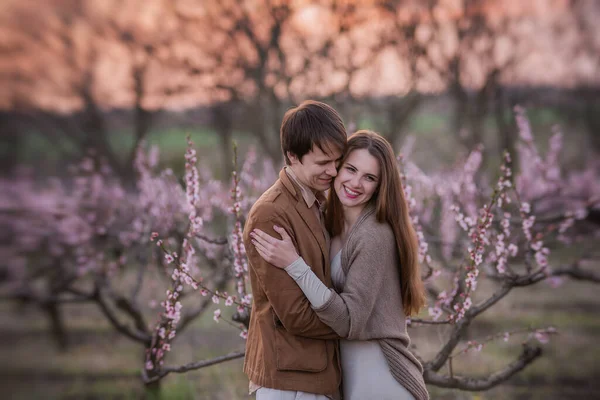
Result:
[348,312]
[289,303]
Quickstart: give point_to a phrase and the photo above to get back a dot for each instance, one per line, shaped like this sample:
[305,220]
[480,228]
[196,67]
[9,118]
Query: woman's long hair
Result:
[390,207]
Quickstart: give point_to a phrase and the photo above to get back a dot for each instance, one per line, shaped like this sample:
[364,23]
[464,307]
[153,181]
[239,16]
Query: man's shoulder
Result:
[271,203]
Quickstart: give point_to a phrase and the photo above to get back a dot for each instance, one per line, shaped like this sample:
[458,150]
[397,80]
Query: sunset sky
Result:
[45,63]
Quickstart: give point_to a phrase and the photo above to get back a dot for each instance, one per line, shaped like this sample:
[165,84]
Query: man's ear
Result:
[293,158]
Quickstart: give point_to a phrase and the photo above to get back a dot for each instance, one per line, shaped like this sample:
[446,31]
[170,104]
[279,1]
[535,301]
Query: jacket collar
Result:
[307,194]
[308,215]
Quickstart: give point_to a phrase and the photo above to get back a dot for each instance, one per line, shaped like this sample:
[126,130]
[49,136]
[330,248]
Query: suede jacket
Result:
[288,346]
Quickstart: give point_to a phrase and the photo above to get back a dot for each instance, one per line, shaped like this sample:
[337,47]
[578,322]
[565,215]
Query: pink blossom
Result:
[542,337]
[217,315]
[566,224]
[555,281]
[581,213]
[541,259]
[512,250]
[468,303]
[474,345]
[501,265]
[500,249]
[435,312]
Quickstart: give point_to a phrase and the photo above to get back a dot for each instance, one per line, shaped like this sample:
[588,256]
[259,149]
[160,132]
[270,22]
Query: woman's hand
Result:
[280,253]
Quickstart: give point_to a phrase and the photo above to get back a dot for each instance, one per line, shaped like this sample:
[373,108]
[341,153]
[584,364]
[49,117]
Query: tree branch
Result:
[575,272]
[219,240]
[493,299]
[191,366]
[441,357]
[220,278]
[130,308]
[419,321]
[528,355]
[124,329]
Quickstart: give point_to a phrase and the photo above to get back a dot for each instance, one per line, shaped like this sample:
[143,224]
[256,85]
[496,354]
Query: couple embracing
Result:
[334,278]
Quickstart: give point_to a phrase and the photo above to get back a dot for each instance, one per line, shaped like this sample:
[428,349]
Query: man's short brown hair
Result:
[311,123]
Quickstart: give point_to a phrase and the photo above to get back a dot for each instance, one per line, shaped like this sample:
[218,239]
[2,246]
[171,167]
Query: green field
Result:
[436,145]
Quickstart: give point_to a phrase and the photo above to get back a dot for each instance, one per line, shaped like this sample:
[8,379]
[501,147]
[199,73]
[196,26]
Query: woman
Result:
[374,270]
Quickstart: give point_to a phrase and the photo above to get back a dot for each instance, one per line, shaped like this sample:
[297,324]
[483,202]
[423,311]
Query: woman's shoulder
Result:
[373,232]
[371,224]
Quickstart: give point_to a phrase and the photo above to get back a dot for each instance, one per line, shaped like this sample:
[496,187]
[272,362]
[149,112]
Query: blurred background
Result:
[83,78]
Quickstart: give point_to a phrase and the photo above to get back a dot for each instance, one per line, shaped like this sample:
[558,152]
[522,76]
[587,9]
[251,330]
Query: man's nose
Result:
[331,169]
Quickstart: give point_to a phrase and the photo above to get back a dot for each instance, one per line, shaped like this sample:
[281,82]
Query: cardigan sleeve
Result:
[371,256]
[315,291]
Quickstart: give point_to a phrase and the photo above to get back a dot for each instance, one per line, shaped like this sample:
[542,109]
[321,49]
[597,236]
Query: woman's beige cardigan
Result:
[370,304]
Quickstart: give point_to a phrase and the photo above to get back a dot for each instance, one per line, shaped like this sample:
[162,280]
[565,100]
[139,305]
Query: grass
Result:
[436,144]
[103,364]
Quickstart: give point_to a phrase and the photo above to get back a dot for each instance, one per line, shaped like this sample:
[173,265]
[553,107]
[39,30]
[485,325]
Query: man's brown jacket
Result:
[288,347]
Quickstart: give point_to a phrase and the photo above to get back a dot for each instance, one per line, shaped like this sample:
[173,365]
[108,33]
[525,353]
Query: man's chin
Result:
[322,186]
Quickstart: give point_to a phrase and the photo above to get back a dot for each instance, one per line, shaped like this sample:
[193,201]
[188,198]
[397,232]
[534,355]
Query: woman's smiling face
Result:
[357,179]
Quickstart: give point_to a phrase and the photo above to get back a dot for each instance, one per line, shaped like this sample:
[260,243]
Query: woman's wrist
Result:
[297,268]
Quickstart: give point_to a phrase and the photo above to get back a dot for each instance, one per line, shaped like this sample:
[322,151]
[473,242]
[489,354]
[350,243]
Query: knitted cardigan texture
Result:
[369,306]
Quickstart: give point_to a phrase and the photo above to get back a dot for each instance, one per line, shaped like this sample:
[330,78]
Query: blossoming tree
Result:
[77,241]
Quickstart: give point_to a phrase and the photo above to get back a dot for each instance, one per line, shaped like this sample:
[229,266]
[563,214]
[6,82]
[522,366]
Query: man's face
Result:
[316,169]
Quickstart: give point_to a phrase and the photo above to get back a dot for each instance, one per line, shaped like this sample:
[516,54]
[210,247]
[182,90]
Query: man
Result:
[290,353]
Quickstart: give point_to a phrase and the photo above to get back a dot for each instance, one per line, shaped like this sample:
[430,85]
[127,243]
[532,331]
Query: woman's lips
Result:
[350,193]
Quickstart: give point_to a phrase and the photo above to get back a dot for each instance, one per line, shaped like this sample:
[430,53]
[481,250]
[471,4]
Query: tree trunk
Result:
[57,325]
[152,390]
[223,123]
[142,120]
[399,110]
[591,116]
[507,134]
[261,129]
[95,134]
[10,140]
